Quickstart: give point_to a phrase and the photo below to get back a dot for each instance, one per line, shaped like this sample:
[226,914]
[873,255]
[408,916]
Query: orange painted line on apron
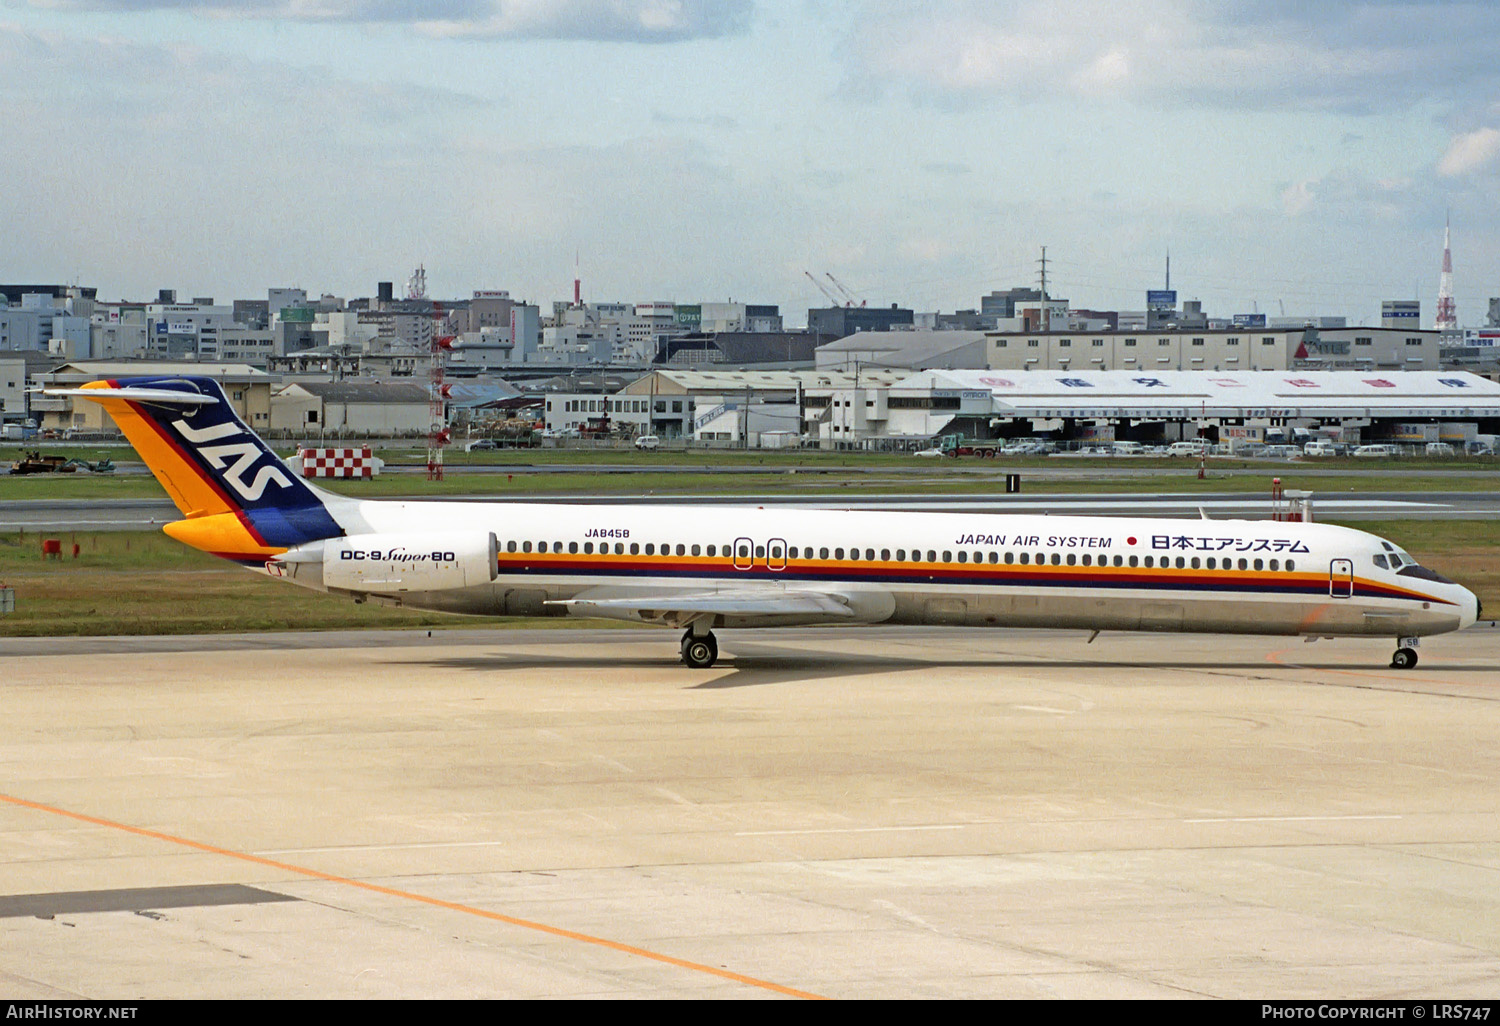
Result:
[392,892]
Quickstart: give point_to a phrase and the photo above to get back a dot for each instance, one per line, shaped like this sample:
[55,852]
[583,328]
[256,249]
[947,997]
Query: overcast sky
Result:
[1289,155]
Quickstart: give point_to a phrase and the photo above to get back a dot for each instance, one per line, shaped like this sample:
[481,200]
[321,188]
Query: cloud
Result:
[1351,57]
[1345,193]
[636,21]
[1469,152]
[221,175]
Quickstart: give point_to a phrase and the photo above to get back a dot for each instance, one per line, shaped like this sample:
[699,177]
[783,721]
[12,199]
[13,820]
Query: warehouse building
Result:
[1158,406]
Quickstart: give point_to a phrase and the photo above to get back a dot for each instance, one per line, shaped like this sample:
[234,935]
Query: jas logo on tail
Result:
[243,454]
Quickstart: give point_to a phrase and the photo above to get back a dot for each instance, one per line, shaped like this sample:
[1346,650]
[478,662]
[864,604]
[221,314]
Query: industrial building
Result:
[1234,349]
[248,388]
[350,410]
[1352,406]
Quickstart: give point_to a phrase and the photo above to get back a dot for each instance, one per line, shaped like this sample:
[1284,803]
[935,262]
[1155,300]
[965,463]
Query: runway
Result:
[874,813]
[150,514]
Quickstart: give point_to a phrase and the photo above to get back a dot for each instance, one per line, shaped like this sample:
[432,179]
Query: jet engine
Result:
[388,564]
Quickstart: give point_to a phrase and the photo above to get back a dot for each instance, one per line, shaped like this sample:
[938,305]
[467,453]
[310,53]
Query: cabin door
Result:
[743,558]
[1341,578]
[776,554]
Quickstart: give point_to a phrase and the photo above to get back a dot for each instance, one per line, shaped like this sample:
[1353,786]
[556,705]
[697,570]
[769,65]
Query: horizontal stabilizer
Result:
[138,395]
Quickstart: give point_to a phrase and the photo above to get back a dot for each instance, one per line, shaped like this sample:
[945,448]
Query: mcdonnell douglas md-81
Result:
[700,568]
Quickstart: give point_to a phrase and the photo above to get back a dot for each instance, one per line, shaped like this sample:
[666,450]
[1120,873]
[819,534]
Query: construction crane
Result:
[840,286]
[833,300]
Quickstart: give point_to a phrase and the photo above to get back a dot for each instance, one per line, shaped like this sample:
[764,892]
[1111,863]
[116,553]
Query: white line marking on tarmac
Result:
[966,826]
[379,847]
[1288,819]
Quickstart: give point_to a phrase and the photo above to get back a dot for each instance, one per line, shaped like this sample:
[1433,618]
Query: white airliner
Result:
[700,568]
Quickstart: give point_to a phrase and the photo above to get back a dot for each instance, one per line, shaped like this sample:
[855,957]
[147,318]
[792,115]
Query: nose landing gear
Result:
[1406,654]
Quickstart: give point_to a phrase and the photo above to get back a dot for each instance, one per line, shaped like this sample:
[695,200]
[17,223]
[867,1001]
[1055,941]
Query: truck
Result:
[958,445]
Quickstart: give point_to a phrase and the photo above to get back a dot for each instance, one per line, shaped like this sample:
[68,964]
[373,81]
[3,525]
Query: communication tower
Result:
[416,285]
[438,393]
[1447,316]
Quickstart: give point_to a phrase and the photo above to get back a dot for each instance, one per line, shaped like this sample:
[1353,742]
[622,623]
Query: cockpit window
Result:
[1380,562]
[1422,573]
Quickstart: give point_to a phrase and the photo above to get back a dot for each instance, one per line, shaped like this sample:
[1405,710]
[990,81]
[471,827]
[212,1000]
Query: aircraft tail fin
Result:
[238,499]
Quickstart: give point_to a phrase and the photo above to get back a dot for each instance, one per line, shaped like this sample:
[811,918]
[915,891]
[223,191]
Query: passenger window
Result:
[1088,560]
[994,557]
[947,556]
[713,550]
[526,546]
[838,553]
[1041,559]
[823,552]
[510,546]
[681,549]
[1181,562]
[963,557]
[1244,564]
[619,548]
[1290,566]
[588,548]
[650,548]
[1056,559]
[1148,562]
[1259,564]
[1275,565]
[1211,563]
[1009,558]
[932,555]
[635,548]
[885,555]
[901,555]
[696,550]
[1025,558]
[1134,561]
[1194,562]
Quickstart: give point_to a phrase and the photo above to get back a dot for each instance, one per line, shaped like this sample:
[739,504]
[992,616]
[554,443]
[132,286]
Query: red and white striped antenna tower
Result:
[1447,315]
[438,391]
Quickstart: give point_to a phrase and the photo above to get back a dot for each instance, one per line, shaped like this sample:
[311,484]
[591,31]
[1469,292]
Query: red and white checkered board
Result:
[337,463]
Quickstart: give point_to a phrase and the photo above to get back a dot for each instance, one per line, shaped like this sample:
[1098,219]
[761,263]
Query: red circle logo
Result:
[1129,541]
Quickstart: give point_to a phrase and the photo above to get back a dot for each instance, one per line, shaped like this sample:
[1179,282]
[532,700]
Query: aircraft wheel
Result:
[699,652]
[1404,659]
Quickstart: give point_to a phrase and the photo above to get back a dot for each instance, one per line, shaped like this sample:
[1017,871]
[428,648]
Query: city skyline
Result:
[692,152]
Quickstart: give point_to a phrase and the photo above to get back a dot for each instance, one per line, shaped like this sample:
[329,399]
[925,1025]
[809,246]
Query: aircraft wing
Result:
[685,606]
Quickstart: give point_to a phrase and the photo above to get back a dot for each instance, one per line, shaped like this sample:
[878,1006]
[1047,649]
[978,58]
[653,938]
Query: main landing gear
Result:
[699,651]
[1406,654]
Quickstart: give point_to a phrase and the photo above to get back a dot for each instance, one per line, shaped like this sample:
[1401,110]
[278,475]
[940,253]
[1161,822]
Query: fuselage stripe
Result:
[1298,584]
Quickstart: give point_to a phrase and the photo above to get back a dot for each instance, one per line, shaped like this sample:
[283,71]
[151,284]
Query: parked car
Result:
[648,442]
[1439,449]
[481,443]
[1377,451]
[929,453]
[1319,448]
[1189,447]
